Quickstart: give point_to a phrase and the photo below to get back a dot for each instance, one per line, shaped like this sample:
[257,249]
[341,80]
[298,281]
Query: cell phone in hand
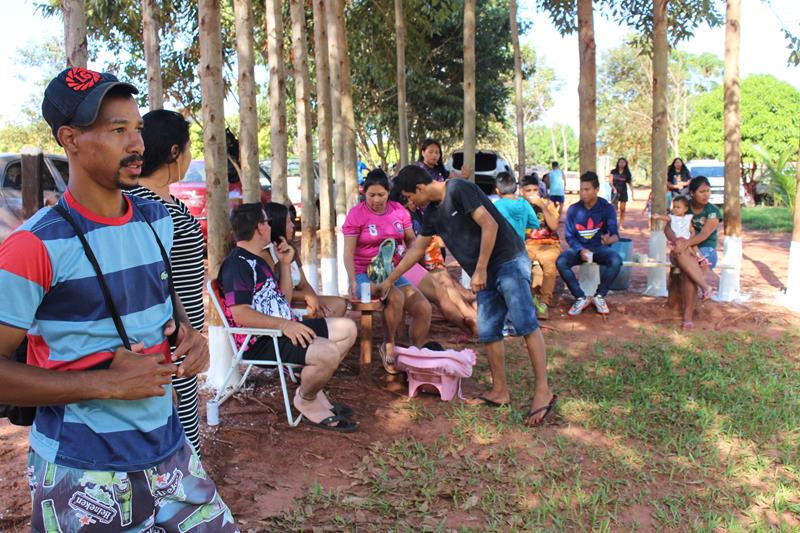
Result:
[272,251]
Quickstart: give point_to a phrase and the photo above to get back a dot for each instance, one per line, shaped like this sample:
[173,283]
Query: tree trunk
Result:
[212,89]
[729,289]
[657,277]
[327,210]
[587,87]
[553,142]
[278,134]
[75,33]
[381,149]
[336,109]
[400,32]
[346,98]
[469,85]
[565,166]
[520,116]
[152,54]
[733,138]
[248,110]
[659,140]
[792,298]
[308,243]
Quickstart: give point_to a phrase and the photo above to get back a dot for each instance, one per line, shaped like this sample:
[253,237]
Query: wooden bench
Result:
[365,331]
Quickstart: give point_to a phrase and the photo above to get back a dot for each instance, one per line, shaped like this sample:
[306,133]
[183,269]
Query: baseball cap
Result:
[74,96]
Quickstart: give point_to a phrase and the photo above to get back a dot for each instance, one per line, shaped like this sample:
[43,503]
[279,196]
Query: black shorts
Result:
[264,348]
[622,191]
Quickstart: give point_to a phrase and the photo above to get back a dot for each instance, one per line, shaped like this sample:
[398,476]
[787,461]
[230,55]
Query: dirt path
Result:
[262,466]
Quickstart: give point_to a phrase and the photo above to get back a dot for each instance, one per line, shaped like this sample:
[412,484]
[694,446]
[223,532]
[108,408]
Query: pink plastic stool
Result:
[446,386]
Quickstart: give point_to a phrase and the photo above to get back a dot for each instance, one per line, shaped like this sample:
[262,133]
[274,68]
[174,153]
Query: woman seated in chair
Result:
[375,232]
[282,225]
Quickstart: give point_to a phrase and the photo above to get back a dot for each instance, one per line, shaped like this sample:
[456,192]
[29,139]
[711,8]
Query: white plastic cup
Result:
[366,293]
[212,413]
[589,256]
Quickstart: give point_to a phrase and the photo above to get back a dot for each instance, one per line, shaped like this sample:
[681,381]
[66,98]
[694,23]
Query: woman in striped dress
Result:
[166,159]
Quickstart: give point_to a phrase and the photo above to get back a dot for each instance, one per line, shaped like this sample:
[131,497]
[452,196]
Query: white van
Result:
[715,172]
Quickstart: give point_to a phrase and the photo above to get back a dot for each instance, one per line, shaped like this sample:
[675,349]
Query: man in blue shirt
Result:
[590,230]
[556,186]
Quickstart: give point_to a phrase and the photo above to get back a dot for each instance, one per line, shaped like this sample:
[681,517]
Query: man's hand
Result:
[478,280]
[134,376]
[585,255]
[193,345]
[285,252]
[383,289]
[298,333]
[606,239]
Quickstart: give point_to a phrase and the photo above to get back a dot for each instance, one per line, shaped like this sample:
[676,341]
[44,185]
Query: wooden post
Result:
[32,171]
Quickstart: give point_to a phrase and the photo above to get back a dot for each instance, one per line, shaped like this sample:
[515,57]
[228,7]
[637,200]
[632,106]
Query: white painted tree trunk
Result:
[220,361]
[328,266]
[791,299]
[729,276]
[657,277]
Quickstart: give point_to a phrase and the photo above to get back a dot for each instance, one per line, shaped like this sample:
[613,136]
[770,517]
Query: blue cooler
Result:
[624,247]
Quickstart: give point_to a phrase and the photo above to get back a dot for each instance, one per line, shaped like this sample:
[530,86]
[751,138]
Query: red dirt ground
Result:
[247,454]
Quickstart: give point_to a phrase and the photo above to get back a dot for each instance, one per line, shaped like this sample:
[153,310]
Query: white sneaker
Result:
[600,304]
[579,305]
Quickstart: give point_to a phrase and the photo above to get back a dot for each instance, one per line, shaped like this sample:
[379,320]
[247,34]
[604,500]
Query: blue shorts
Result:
[710,253]
[507,293]
[363,278]
[557,198]
[175,495]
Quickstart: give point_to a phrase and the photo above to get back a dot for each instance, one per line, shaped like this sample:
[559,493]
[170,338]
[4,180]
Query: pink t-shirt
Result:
[372,228]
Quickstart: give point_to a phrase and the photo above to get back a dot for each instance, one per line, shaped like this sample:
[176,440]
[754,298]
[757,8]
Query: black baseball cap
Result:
[74,96]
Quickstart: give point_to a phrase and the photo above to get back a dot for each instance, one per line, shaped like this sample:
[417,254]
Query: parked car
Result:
[715,172]
[56,173]
[488,163]
[191,190]
[293,183]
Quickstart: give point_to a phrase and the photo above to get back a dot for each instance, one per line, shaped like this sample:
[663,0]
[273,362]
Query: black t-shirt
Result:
[452,221]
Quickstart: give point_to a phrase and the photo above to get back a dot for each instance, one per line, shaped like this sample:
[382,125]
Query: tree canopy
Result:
[769,119]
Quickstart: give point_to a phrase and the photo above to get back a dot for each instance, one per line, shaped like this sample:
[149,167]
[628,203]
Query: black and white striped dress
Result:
[188,272]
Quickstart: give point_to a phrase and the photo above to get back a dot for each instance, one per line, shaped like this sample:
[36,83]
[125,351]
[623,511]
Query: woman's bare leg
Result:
[419,309]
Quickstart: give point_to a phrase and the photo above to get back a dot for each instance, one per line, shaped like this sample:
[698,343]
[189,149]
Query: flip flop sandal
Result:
[340,409]
[387,360]
[490,403]
[549,408]
[336,423]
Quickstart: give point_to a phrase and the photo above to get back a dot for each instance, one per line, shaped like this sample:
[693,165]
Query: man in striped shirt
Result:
[107,449]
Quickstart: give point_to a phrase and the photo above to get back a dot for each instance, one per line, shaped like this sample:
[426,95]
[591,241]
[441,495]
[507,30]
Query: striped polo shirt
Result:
[51,290]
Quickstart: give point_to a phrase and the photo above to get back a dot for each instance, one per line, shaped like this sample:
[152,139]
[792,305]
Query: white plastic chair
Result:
[227,389]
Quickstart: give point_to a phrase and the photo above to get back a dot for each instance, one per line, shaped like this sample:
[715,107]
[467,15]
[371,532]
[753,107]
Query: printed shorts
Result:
[176,495]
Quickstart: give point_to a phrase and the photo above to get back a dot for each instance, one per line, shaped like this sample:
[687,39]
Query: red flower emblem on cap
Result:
[81,79]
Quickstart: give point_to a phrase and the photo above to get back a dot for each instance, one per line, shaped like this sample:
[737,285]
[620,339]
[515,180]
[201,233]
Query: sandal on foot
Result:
[489,403]
[340,409]
[334,423]
[687,325]
[549,408]
[387,360]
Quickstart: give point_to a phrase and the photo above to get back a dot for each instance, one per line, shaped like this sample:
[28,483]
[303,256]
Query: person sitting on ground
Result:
[487,248]
[372,227]
[590,230]
[282,225]
[555,185]
[430,275]
[517,211]
[706,218]
[253,298]
[680,222]
[542,244]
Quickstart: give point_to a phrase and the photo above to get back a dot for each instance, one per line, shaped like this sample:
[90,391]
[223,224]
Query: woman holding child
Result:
[706,218]
[374,228]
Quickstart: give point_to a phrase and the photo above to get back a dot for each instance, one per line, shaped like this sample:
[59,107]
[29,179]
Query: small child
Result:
[680,221]
[516,210]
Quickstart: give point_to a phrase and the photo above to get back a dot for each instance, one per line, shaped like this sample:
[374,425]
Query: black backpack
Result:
[23,416]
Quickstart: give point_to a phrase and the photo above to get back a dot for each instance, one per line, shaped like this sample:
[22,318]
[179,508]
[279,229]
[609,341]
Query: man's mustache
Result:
[135,158]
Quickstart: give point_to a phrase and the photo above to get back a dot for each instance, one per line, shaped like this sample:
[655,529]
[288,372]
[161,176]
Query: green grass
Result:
[774,219]
[694,434]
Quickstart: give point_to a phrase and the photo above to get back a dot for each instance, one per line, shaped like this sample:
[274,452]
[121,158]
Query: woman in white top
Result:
[282,225]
